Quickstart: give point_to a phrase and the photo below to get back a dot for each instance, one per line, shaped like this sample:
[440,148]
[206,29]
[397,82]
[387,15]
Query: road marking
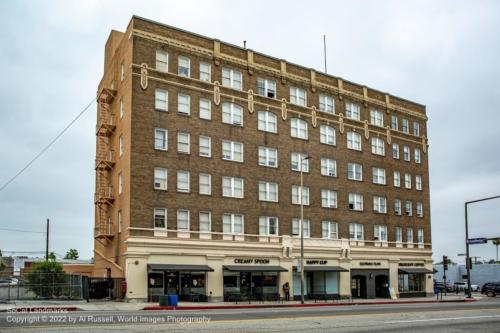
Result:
[438,319]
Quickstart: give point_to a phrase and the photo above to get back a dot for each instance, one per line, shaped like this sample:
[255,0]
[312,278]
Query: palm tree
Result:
[496,242]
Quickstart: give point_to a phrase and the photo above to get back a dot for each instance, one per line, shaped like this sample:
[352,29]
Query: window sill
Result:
[161,110]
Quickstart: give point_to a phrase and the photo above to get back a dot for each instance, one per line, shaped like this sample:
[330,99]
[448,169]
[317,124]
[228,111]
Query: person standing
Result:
[286,291]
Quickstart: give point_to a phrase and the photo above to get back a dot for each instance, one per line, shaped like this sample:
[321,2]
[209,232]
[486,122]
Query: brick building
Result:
[200,145]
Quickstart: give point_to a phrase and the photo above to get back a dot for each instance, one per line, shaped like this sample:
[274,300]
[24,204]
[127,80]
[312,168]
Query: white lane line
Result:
[438,319]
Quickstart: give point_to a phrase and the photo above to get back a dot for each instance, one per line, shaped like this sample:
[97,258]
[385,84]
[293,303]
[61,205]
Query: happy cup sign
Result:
[251,261]
[316,262]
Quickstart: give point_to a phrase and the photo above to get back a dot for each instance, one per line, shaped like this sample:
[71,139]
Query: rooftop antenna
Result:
[324,50]
[244,44]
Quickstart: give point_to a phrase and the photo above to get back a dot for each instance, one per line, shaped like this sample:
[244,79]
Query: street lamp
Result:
[302,229]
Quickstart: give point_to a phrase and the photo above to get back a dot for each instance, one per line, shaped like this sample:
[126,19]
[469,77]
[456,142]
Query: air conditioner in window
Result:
[226,157]
[270,94]
[397,212]
[331,174]
[157,185]
[351,206]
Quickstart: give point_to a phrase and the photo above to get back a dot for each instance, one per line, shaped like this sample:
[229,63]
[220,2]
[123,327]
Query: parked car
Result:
[461,286]
[8,282]
[475,287]
[491,289]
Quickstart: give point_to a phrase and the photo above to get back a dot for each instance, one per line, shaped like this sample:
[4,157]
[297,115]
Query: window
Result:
[268,226]
[232,187]
[205,72]
[326,104]
[417,157]
[182,181]
[355,201]
[161,61]
[120,183]
[296,226]
[420,209]
[296,197]
[406,126]
[352,111]
[409,235]
[378,176]
[298,128]
[297,158]
[160,218]
[232,78]
[408,208]
[120,145]
[327,135]
[377,118]
[298,96]
[122,107]
[268,157]
[232,223]
[122,71]
[205,184]
[380,204]
[353,140]
[407,180]
[205,146]
[205,109]
[354,171]
[160,182]
[397,207]
[183,142]
[183,219]
[266,87]
[120,220]
[205,221]
[356,231]
[395,151]
[380,233]
[268,191]
[416,128]
[418,183]
[232,151]
[378,147]
[328,199]
[161,100]
[330,230]
[420,236]
[161,139]
[394,123]
[183,104]
[399,234]
[184,67]
[328,167]
[268,122]
[232,114]
[397,179]
[406,153]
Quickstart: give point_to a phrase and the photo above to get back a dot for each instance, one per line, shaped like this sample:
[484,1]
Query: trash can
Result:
[164,300]
[173,300]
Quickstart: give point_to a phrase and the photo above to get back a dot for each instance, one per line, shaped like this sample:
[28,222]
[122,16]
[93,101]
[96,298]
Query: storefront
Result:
[321,280]
[412,279]
[371,280]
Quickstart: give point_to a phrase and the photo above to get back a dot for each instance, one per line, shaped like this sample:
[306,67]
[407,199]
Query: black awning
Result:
[248,268]
[179,268]
[323,269]
[416,270]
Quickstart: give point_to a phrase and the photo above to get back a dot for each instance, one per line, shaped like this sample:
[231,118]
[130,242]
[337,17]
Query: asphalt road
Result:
[481,316]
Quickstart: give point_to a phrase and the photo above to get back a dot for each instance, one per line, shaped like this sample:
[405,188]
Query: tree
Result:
[52,256]
[47,279]
[72,254]
[496,242]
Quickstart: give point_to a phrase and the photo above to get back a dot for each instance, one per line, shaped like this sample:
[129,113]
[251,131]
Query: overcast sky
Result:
[443,54]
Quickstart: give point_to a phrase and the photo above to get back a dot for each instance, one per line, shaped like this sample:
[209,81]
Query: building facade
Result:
[200,149]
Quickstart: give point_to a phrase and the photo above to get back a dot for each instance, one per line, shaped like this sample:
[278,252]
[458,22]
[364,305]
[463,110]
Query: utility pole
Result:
[47,242]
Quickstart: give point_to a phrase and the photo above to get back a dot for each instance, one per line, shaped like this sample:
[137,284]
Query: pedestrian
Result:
[436,292]
[286,291]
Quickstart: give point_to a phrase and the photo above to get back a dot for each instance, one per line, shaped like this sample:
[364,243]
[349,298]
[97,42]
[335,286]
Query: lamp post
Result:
[302,229]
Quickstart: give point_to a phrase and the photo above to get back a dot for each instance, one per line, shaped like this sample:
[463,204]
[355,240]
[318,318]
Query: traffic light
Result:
[445,263]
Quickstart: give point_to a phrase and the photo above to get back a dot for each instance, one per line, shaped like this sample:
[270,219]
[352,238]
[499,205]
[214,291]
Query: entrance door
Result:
[172,283]
[358,286]
[382,286]
[246,285]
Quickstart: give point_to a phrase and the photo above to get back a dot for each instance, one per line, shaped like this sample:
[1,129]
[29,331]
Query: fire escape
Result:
[104,166]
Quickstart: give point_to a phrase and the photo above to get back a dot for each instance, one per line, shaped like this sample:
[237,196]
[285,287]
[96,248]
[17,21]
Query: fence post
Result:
[8,292]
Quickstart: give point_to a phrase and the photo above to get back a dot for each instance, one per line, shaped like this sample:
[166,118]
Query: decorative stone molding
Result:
[217,52]
[250,62]
[313,80]
[341,88]
[365,96]
[387,103]
[216,92]
[341,123]
[283,108]
[144,76]
[283,71]
[314,119]
[367,131]
[424,144]
[389,139]
[250,101]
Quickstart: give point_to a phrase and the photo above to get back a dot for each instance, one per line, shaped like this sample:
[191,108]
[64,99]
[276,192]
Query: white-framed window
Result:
[296,195]
[205,109]
[296,228]
[378,146]
[420,236]
[397,206]
[299,162]
[327,135]
[121,145]
[232,151]
[120,183]
[183,104]
[417,156]
[420,209]
[408,208]
[232,78]
[182,181]
[326,104]
[205,183]
[354,171]
[379,204]
[395,151]
[183,142]
[380,233]
[394,123]
[232,224]
[268,157]
[352,111]
[160,218]
[162,61]
[329,230]
[266,87]
[298,96]
[328,199]
[205,220]
[407,180]
[379,176]
[122,107]
[205,71]
[122,71]
[161,99]
[377,118]
[232,187]
[406,153]
[183,219]
[416,128]
[267,122]
[232,114]
[328,167]
[268,226]
[418,183]
[184,66]
[298,128]
[409,235]
[161,139]
[356,201]
[160,182]
[120,220]
[205,146]
[354,140]
[356,231]
[268,191]
[397,179]
[399,235]
[405,126]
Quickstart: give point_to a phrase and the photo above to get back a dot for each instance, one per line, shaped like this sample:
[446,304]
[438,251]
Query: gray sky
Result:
[442,54]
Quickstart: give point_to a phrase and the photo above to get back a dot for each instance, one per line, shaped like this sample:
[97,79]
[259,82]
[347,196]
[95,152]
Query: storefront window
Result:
[411,282]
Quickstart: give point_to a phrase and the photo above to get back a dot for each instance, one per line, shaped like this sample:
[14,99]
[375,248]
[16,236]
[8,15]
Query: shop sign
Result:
[257,261]
[316,262]
[411,264]
[370,263]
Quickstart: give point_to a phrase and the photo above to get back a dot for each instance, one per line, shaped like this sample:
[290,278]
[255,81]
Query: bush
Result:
[47,279]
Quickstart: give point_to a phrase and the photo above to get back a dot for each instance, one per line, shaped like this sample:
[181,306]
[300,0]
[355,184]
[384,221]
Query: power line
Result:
[19,230]
[47,146]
